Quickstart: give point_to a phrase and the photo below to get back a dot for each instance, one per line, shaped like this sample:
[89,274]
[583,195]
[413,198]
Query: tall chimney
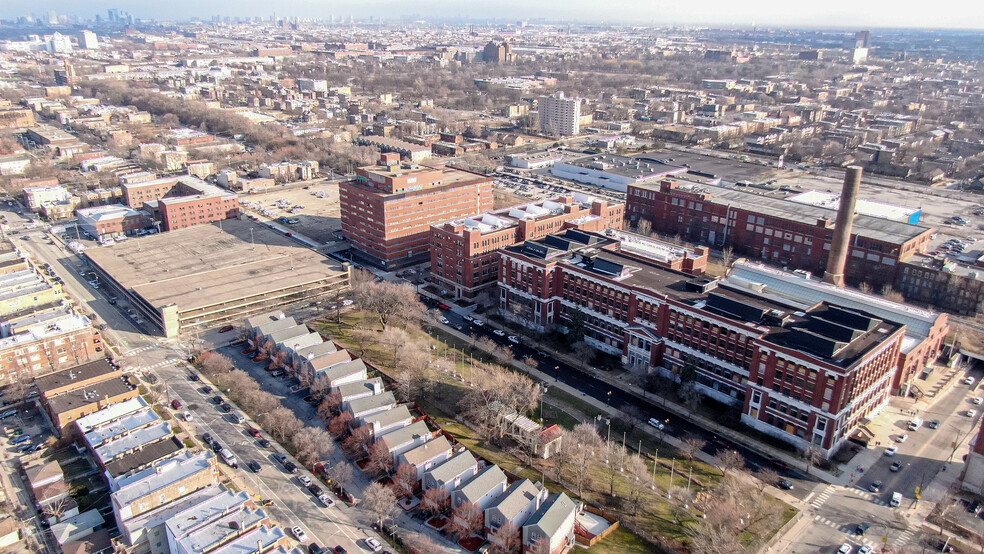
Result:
[841,244]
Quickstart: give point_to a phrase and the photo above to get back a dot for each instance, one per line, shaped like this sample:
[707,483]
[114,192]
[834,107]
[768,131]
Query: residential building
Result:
[559,115]
[26,291]
[942,282]
[381,423]
[96,437]
[973,479]
[147,533]
[369,405]
[463,251]
[47,342]
[425,456]
[108,416]
[775,230]
[450,473]
[88,40]
[498,52]
[482,489]
[34,197]
[514,506]
[77,527]
[111,221]
[60,44]
[65,408]
[164,482]
[360,389]
[551,525]
[734,334]
[14,118]
[414,153]
[406,438]
[132,441]
[179,202]
[388,209]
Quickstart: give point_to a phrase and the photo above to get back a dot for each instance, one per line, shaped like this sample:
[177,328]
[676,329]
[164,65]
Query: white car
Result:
[347,302]
[969,381]
[971,413]
[187,416]
[304,480]
[499,333]
[327,501]
[656,423]
[977,401]
[902,438]
[373,544]
[298,533]
[845,549]
[478,323]
[891,450]
[444,320]
[513,339]
[468,318]
[865,549]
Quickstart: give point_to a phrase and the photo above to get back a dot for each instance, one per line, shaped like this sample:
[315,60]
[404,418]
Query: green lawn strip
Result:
[582,406]
[621,541]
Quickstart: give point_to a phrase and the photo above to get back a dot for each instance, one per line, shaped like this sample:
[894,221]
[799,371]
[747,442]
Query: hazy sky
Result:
[964,14]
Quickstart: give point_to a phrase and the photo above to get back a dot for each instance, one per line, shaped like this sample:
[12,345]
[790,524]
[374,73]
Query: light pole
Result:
[556,373]
[542,394]
[609,399]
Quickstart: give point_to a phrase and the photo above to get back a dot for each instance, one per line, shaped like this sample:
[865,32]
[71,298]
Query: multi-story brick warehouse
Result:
[388,209]
[182,201]
[463,251]
[807,371]
[774,230]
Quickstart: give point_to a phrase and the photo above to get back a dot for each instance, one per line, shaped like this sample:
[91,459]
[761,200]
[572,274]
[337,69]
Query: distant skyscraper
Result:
[60,44]
[88,40]
[498,52]
[52,17]
[862,39]
[113,14]
[559,115]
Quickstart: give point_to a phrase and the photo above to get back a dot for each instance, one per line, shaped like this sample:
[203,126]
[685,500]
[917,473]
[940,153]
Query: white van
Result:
[915,423]
[896,499]
[229,457]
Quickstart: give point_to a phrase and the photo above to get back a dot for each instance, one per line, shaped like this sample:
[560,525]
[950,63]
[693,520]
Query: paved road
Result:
[293,505]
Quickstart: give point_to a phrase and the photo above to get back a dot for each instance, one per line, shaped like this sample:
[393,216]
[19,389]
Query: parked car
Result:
[865,549]
[971,413]
[207,437]
[176,404]
[969,381]
[895,467]
[845,549]
[902,438]
[975,508]
[657,423]
[187,415]
[264,443]
[277,373]
[340,550]
[253,431]
[281,458]
[227,328]
[935,424]
[290,467]
[977,401]
[499,333]
[255,466]
[326,500]
[513,339]
[304,480]
[373,544]
[218,400]
[785,484]
[298,533]
[861,529]
[226,407]
[891,450]
[315,490]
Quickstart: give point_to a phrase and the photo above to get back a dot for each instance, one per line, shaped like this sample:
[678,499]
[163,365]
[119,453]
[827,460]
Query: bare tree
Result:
[811,455]
[339,474]
[312,444]
[419,543]
[380,458]
[363,337]
[615,465]
[283,423]
[644,227]
[467,519]
[693,445]
[394,338]
[506,539]
[690,395]
[339,424]
[380,500]
[727,254]
[634,415]
[585,448]
[583,352]
[405,480]
[320,386]
[767,477]
[356,443]
[435,500]
[636,473]
[730,460]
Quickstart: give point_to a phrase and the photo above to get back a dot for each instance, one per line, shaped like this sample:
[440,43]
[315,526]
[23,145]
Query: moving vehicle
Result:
[861,529]
[513,339]
[896,500]
[656,423]
[915,423]
[895,467]
[875,486]
[255,466]
[891,450]
[785,484]
[226,328]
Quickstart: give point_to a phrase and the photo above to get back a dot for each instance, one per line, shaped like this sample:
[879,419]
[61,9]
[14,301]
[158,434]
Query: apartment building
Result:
[836,360]
[774,230]
[387,211]
[164,482]
[559,115]
[463,251]
[46,342]
[179,202]
[111,221]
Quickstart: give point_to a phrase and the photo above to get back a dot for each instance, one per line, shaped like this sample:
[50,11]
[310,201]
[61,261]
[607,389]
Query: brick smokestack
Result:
[841,245]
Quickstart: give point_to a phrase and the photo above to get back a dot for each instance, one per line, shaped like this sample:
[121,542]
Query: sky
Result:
[841,14]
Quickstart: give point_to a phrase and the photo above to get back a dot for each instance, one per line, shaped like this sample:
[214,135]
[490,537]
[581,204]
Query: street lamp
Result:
[542,394]
[609,399]
[556,373]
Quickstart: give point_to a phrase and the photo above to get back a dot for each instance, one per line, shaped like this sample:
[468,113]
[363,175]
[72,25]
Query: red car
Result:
[176,404]
[226,329]
[444,307]
[254,431]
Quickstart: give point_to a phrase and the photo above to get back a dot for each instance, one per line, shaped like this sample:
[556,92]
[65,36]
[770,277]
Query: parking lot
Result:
[319,219]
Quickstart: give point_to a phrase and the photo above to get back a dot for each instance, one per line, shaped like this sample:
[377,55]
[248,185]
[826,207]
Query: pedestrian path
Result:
[904,538]
[848,530]
[858,491]
[821,498]
[139,349]
[153,366]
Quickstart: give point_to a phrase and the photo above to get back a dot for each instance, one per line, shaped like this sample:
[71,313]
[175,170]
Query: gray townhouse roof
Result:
[255,321]
[369,403]
[360,387]
[552,514]
[479,485]
[389,417]
[427,451]
[345,369]
[404,435]
[270,327]
[455,466]
[518,496]
[126,443]
[301,341]
[316,350]
[283,335]
[126,424]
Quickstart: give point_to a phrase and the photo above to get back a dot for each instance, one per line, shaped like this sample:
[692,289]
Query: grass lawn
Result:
[621,541]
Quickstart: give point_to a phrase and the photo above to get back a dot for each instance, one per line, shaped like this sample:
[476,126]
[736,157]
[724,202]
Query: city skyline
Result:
[949,14]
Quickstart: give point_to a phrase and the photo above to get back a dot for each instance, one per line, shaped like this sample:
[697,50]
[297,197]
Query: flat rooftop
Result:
[89,395]
[205,265]
[638,169]
[885,230]
[148,454]
[80,373]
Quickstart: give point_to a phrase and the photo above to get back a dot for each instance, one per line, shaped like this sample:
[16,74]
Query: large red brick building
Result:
[463,251]
[806,366]
[387,210]
[179,202]
[774,230]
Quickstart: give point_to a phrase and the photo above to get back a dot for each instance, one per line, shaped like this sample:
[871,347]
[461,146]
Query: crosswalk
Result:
[848,530]
[903,539]
[858,491]
[153,366]
[138,350]
[822,497]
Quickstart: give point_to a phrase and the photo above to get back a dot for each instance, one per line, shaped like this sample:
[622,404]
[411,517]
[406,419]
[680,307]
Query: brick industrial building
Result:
[774,230]
[181,202]
[463,251]
[388,209]
[806,362]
